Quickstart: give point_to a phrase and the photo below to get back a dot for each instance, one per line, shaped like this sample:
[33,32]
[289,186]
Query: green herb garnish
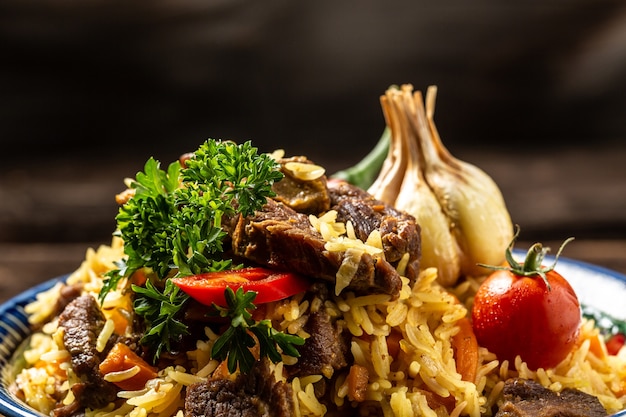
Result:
[173,225]
[235,343]
[160,310]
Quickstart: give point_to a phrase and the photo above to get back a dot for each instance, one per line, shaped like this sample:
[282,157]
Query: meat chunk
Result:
[400,233]
[281,238]
[82,322]
[526,398]
[67,294]
[256,394]
[309,197]
[325,351]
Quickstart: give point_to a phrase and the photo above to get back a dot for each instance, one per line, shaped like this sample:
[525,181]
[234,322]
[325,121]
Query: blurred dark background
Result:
[532,92]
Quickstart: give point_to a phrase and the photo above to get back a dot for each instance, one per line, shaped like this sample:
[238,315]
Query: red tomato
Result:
[208,288]
[527,310]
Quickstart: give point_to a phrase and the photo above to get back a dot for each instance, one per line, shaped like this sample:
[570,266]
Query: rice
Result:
[105,335]
[122,375]
[419,379]
[306,399]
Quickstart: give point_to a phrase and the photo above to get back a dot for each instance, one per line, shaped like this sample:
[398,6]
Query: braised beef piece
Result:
[281,238]
[256,394]
[310,197]
[67,294]
[82,322]
[325,352]
[399,231]
[526,398]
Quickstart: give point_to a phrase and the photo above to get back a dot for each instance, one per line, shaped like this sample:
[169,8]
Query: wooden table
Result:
[51,214]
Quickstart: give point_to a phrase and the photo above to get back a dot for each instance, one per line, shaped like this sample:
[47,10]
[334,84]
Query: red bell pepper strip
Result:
[614,343]
[270,285]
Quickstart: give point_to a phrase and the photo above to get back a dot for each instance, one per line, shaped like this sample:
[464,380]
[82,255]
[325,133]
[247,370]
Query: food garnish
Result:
[172,226]
[527,309]
[270,285]
[235,343]
[160,310]
[460,209]
[174,219]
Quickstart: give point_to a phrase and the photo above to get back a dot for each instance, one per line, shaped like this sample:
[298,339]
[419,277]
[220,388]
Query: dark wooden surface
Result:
[51,213]
[532,92]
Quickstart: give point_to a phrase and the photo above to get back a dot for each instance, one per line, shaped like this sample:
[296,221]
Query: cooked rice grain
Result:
[118,376]
[425,315]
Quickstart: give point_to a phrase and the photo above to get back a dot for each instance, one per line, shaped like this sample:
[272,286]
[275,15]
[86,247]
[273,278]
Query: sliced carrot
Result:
[121,322]
[120,314]
[393,343]
[357,383]
[121,358]
[465,348]
[52,368]
[436,401]
[139,277]
[597,347]
[221,372]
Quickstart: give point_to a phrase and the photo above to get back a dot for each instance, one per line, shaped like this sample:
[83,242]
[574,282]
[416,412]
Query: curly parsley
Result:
[160,309]
[173,225]
[235,343]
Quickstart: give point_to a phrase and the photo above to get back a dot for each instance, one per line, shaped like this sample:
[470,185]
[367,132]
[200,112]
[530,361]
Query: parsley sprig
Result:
[160,309]
[172,226]
[235,343]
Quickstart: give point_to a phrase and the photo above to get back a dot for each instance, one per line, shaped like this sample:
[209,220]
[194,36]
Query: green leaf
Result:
[161,310]
[173,223]
[288,343]
[266,343]
[235,343]
[113,277]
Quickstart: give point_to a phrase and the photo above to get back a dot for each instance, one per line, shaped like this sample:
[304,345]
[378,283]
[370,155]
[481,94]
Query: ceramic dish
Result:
[595,286]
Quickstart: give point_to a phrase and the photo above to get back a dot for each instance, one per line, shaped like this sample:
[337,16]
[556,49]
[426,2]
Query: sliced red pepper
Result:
[208,288]
[614,343]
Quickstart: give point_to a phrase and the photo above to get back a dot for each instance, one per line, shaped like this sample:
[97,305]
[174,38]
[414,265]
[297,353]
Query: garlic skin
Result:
[463,218]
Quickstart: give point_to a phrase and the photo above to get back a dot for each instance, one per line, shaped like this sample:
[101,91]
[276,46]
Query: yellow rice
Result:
[426,314]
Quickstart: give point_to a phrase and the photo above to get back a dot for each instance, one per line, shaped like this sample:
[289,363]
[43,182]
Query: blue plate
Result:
[14,329]
[595,286]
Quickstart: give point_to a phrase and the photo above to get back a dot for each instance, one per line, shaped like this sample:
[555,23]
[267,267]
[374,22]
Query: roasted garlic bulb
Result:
[460,209]
[405,187]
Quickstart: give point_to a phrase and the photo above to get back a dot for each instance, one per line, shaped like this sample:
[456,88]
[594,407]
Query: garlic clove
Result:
[463,218]
[389,181]
[304,171]
[470,198]
[438,246]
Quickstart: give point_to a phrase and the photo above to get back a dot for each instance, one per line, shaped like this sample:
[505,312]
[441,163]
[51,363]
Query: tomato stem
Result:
[533,263]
